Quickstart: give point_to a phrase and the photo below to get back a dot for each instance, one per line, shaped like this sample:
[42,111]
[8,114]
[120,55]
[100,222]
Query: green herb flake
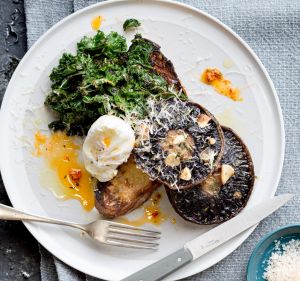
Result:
[130,24]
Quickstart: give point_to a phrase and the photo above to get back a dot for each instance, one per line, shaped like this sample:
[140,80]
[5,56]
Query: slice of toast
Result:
[129,189]
[132,187]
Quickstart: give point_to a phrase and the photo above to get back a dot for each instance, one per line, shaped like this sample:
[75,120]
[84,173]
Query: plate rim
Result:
[34,231]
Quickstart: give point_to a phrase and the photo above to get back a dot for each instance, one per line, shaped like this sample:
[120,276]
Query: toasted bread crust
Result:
[164,67]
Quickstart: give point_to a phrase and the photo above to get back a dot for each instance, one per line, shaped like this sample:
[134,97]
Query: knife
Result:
[209,240]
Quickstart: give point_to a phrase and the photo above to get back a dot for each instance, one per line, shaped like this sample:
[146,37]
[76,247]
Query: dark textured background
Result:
[18,249]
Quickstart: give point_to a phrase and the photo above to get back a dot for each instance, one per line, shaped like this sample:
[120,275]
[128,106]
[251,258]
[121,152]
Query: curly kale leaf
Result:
[109,46]
[92,44]
[130,24]
[139,51]
[103,78]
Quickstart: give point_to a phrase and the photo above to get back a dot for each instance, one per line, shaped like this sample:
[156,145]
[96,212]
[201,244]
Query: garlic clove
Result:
[227,172]
[172,160]
[185,174]
[203,120]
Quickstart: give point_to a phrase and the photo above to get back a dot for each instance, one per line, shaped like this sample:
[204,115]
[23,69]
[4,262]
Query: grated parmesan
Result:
[284,263]
[176,120]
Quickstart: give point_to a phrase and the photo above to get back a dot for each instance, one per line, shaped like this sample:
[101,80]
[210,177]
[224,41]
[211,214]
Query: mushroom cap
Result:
[174,115]
[211,202]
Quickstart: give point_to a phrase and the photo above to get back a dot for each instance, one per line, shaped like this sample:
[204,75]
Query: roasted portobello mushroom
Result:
[222,195]
[129,189]
[180,143]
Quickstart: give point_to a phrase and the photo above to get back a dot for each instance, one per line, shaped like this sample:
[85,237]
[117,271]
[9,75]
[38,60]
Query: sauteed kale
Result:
[104,77]
[130,24]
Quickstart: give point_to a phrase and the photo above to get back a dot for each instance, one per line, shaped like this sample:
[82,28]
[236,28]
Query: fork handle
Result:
[12,214]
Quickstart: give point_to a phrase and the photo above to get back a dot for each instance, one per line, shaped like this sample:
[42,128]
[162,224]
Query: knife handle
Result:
[163,267]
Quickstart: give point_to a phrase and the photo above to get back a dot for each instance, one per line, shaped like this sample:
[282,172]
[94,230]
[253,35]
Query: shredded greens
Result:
[130,24]
[103,77]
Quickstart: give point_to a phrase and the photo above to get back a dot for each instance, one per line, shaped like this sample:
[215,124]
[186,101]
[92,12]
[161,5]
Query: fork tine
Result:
[133,233]
[126,226]
[130,245]
[126,239]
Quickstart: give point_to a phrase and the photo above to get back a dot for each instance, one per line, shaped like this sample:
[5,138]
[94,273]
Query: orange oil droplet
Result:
[152,213]
[96,22]
[214,77]
[39,141]
[61,154]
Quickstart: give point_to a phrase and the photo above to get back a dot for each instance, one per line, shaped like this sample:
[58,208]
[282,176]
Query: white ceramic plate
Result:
[193,41]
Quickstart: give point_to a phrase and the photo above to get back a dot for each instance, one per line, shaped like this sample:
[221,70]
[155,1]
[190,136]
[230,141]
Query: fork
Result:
[103,231]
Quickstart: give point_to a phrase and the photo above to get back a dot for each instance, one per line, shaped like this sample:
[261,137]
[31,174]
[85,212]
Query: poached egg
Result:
[108,144]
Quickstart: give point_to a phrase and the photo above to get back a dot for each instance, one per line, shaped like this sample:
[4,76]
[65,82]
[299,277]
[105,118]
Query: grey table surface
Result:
[19,253]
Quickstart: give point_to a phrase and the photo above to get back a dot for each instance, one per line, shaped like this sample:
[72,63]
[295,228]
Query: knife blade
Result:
[209,240]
